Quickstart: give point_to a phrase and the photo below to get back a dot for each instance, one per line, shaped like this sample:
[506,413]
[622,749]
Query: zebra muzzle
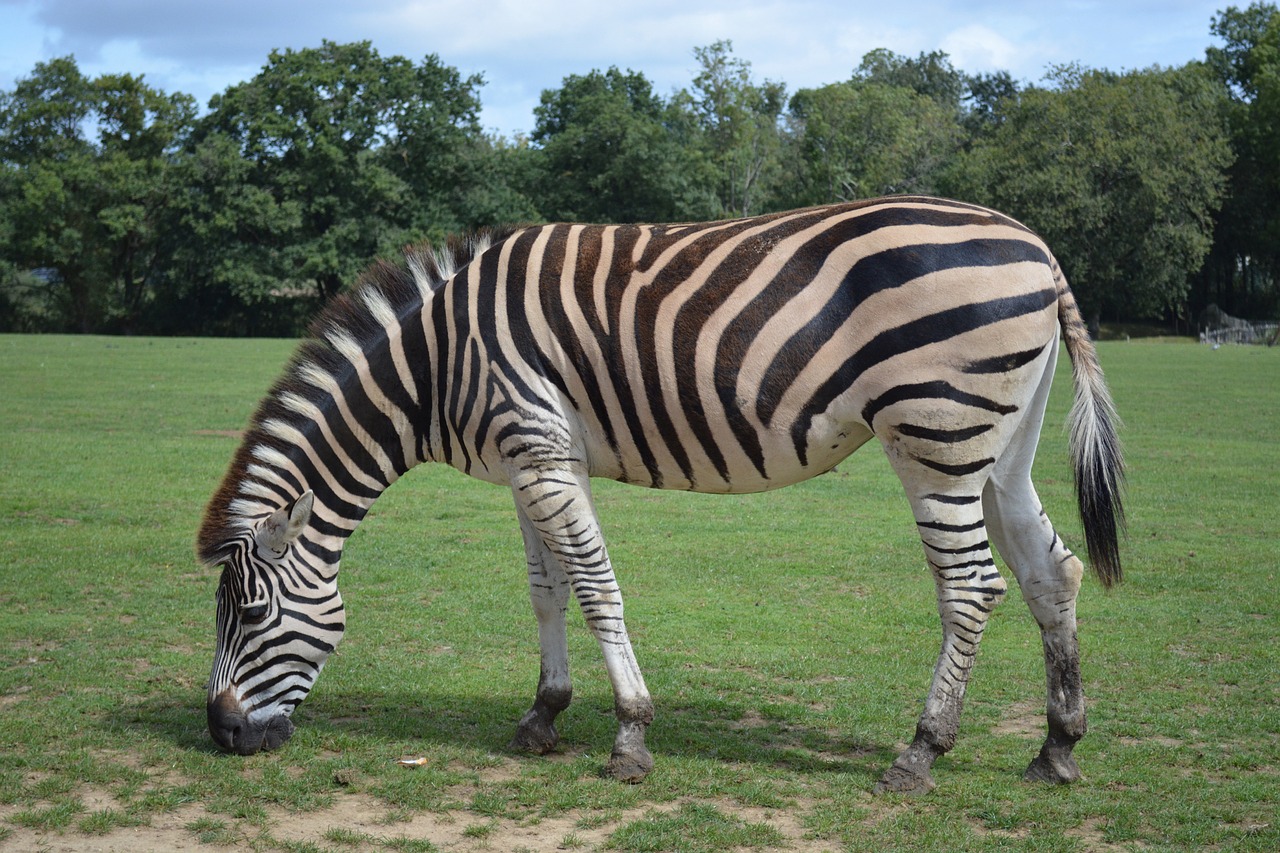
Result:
[235,731]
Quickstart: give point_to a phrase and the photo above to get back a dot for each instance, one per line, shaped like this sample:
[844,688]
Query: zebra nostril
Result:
[227,735]
[227,722]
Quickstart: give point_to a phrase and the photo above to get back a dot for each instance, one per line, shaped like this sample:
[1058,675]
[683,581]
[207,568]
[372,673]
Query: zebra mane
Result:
[252,487]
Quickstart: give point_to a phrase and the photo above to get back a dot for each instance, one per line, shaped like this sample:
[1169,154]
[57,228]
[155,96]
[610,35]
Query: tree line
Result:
[124,209]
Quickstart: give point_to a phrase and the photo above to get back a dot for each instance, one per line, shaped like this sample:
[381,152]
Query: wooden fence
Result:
[1243,332]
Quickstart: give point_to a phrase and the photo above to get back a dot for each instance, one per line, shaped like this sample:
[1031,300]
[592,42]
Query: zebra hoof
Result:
[1054,769]
[630,767]
[535,734]
[900,780]
[910,774]
[630,761]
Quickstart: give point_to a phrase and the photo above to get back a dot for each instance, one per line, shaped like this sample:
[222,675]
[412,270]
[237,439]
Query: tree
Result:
[499,183]
[87,167]
[1242,275]
[364,148]
[1120,172]
[608,153]
[739,120]
[228,242]
[863,139]
[929,74]
[984,100]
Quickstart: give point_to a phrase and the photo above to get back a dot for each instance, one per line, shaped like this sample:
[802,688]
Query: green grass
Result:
[695,828]
[787,639]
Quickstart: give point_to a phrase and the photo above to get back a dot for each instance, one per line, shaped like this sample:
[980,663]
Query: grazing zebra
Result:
[731,357]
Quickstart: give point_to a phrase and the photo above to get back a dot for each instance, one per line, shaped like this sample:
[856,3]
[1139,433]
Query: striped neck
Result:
[354,409]
[344,422]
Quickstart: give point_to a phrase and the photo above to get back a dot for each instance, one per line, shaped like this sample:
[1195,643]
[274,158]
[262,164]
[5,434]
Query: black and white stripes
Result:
[732,356]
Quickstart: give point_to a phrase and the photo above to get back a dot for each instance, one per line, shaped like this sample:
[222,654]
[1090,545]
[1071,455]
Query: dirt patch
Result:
[982,830]
[166,832]
[220,433]
[15,696]
[751,719]
[465,831]
[360,816]
[469,832]
[1091,832]
[1023,719]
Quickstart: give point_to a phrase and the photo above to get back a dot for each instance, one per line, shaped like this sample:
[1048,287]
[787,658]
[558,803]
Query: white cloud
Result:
[525,46]
[978,48]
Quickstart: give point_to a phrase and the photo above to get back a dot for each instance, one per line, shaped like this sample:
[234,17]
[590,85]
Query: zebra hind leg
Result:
[1049,576]
[549,593]
[969,587]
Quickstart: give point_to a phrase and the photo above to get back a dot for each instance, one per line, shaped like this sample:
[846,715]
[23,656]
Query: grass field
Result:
[788,640]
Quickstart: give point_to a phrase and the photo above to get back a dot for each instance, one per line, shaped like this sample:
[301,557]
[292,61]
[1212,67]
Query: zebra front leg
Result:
[968,587]
[558,510]
[549,594]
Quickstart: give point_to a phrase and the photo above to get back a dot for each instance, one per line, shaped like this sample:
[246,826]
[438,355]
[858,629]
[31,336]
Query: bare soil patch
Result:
[362,814]
[1023,719]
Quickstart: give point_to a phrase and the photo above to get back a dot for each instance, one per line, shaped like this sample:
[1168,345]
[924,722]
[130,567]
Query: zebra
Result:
[725,357]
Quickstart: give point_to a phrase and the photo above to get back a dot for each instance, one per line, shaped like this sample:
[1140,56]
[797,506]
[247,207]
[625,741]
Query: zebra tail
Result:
[1095,447]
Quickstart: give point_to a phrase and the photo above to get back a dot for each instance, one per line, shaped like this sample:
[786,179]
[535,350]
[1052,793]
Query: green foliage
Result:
[739,120]
[608,154]
[865,139]
[929,74]
[1243,272]
[358,144]
[228,255]
[501,183]
[986,98]
[1121,173]
[90,209]
[120,211]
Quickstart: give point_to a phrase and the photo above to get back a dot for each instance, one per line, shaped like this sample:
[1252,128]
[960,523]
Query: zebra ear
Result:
[286,524]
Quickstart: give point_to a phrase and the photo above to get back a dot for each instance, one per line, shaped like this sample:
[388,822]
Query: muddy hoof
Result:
[910,772]
[535,734]
[900,780]
[630,767]
[1056,770]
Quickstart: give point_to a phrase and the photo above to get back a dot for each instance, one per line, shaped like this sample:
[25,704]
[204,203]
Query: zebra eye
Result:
[253,614]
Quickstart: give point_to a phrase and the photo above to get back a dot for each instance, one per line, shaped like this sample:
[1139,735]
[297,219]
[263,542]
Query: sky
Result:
[522,47]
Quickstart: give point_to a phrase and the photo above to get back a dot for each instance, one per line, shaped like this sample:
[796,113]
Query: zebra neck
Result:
[345,441]
[347,479]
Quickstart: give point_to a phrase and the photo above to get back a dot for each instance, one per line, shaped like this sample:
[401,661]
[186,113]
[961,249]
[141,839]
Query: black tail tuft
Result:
[1095,445]
[1099,476]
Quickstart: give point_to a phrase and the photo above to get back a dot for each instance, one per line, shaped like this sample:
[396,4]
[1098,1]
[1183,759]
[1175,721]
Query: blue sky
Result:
[524,46]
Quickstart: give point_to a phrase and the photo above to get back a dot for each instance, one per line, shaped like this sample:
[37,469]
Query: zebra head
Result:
[278,619]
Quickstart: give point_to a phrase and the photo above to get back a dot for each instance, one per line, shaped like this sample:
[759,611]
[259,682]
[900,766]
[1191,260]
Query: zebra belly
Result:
[724,466]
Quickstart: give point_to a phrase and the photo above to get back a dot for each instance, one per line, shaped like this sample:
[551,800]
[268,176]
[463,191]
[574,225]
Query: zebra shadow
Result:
[404,721]
[417,720]
[730,731]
